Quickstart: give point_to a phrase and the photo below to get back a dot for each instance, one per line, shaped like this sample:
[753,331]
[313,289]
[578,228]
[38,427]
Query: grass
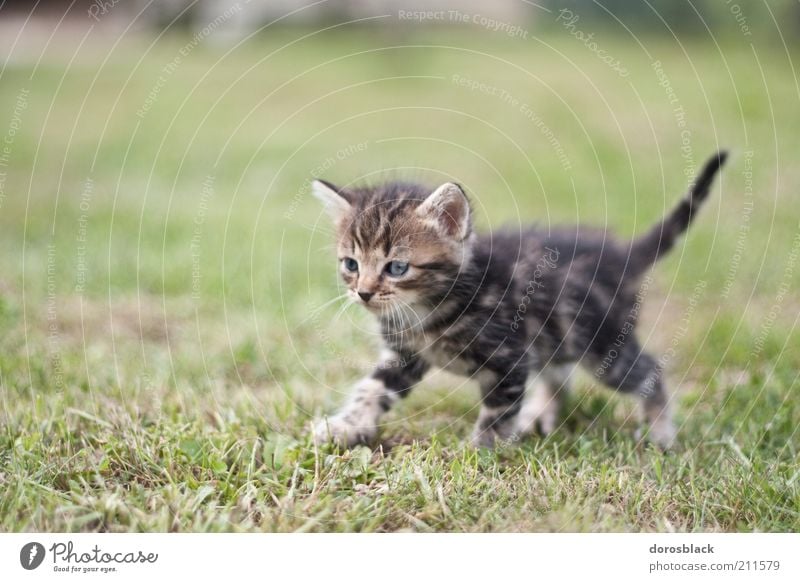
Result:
[163,345]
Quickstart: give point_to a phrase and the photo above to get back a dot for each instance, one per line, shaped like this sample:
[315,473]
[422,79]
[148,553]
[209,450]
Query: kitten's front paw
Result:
[662,434]
[537,417]
[488,438]
[342,432]
[483,439]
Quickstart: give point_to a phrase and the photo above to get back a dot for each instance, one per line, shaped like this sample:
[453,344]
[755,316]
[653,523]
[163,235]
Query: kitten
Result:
[507,309]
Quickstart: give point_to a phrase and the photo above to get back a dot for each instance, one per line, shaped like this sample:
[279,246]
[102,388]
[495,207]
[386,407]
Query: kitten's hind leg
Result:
[543,399]
[502,396]
[633,371]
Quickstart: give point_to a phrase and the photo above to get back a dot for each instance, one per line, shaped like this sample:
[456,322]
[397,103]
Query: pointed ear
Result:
[336,205]
[447,208]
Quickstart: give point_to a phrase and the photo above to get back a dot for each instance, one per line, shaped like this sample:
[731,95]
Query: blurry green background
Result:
[164,270]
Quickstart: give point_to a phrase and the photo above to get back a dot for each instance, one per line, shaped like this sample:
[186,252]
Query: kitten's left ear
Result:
[448,209]
[336,204]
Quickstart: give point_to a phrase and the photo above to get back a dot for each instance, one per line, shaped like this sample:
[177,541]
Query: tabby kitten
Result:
[508,308]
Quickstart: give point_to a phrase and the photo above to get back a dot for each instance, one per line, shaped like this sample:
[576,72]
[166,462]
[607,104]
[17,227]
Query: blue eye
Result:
[351,265]
[397,268]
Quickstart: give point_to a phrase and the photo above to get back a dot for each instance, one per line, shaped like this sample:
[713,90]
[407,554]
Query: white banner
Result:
[396,557]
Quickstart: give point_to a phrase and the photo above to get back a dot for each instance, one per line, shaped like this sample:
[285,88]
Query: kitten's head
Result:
[399,244]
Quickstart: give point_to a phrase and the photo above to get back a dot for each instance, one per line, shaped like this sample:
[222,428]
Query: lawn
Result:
[165,332]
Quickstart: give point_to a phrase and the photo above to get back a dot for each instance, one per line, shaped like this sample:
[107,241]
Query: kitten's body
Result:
[506,308]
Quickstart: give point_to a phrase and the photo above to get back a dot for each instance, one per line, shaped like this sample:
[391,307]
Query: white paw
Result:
[542,422]
[661,433]
[540,411]
[343,432]
[488,438]
[484,438]
[548,422]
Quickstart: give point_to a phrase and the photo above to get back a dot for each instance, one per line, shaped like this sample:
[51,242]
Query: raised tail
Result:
[654,244]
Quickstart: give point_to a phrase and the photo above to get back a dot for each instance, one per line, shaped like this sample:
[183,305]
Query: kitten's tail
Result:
[654,244]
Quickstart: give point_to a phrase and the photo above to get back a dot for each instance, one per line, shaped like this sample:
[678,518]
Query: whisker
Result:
[395,322]
[411,310]
[402,324]
[317,228]
[316,310]
[341,311]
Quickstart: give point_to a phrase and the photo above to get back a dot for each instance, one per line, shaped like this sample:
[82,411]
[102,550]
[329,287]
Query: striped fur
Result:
[508,308]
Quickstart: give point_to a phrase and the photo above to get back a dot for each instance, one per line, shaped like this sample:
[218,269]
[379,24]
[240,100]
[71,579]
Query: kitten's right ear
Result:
[336,205]
[447,208]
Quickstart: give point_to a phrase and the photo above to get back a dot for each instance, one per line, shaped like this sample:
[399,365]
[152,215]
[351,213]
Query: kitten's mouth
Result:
[376,304]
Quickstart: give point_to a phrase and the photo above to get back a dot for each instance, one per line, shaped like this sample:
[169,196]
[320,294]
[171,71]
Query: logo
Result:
[31,555]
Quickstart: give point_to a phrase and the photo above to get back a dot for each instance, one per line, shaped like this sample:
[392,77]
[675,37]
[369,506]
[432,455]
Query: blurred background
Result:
[161,255]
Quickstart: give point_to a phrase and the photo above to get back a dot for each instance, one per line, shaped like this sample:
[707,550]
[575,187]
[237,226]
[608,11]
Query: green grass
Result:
[172,389]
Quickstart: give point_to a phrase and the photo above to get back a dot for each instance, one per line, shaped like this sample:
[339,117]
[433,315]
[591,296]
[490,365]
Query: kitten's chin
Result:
[375,306]
[389,306]
[381,308]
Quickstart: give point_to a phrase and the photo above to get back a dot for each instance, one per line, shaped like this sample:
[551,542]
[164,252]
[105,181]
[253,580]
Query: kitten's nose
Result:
[366,296]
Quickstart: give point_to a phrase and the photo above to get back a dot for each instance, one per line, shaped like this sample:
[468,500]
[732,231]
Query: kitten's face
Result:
[398,245]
